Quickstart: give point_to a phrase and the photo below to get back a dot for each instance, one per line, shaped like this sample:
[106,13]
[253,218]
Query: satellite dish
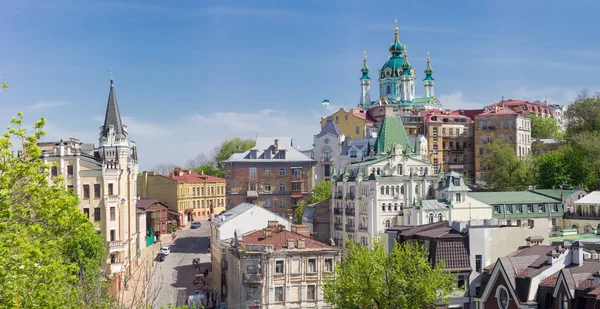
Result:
[325,102]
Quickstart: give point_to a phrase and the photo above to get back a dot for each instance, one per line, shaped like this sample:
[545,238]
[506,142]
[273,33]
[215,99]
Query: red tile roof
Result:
[500,111]
[146,203]
[522,106]
[471,113]
[280,240]
[189,177]
[361,113]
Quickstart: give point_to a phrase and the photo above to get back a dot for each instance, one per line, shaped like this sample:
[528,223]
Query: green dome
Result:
[428,70]
[406,66]
[365,68]
[397,48]
[394,64]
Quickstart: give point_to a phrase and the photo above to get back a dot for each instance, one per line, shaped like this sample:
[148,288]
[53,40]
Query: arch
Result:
[408,218]
[373,171]
[388,89]
[421,170]
[440,217]
[390,207]
[430,191]
[382,190]
[382,207]
[387,223]
[587,229]
[395,206]
[402,189]
[575,227]
[378,171]
[397,189]
[387,190]
[430,216]
[401,206]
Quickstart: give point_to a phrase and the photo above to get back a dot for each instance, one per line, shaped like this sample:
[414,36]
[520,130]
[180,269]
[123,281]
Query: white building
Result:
[559,112]
[239,220]
[276,268]
[105,180]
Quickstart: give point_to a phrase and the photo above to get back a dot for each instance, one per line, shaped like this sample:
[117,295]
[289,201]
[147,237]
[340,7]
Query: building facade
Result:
[104,178]
[278,268]
[584,216]
[273,174]
[500,123]
[355,123]
[194,196]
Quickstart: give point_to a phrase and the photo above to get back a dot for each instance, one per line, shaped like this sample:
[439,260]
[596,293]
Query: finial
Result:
[365,52]
[111,76]
[428,56]
[396,22]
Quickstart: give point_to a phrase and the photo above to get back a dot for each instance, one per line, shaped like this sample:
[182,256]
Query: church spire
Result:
[428,81]
[365,68]
[112,116]
[365,84]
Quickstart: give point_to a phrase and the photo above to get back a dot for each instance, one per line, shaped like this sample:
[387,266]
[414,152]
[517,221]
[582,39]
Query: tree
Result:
[567,166]
[3,86]
[214,165]
[50,250]
[584,114]
[507,171]
[373,279]
[544,127]
[320,192]
[164,169]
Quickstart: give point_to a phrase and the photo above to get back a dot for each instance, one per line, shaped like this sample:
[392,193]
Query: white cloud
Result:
[47,104]
[457,100]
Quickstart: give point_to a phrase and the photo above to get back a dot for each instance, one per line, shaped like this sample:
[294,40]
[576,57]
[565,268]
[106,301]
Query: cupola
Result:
[429,70]
[397,49]
[365,68]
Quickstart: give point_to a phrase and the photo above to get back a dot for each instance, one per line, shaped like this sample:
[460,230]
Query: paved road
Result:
[172,279]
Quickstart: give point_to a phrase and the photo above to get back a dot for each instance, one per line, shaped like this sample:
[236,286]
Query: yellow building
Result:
[355,123]
[194,196]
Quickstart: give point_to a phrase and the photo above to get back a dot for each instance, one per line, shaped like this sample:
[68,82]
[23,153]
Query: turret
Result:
[365,83]
[428,81]
[406,78]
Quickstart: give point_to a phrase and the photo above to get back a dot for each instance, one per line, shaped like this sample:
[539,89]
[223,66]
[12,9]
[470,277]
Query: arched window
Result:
[387,222]
[387,190]
[382,190]
[430,193]
[395,206]
[421,170]
[397,189]
[431,217]
[399,169]
[390,207]
[417,189]
[408,218]
[402,189]
[502,297]
[382,207]
[401,206]
[378,171]
[373,171]
[440,217]
[388,89]
[564,302]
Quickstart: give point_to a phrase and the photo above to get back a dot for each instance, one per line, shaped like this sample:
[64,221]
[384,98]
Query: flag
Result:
[325,103]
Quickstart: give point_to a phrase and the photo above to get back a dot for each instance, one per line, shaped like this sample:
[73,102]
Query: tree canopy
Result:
[320,192]
[373,279]
[213,165]
[50,250]
[544,127]
[584,114]
[506,171]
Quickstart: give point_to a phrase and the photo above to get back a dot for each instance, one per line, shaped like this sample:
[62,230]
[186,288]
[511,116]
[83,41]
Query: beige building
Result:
[194,195]
[355,123]
[500,123]
[277,268]
[104,178]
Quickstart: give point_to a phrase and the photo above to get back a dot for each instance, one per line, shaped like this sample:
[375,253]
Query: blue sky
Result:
[190,73]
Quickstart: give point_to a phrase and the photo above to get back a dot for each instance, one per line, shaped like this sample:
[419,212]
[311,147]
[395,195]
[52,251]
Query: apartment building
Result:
[193,195]
[273,174]
[500,123]
[450,141]
[104,178]
[355,123]
[278,268]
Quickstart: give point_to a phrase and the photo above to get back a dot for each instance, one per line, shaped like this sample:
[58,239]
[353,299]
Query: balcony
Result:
[297,178]
[339,195]
[581,215]
[338,211]
[252,279]
[362,228]
[350,195]
[116,268]
[349,227]
[252,178]
[338,226]
[296,192]
[116,246]
[350,211]
[325,159]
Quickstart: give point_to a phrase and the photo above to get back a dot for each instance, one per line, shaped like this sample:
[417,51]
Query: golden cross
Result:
[110,72]
[365,52]
[396,22]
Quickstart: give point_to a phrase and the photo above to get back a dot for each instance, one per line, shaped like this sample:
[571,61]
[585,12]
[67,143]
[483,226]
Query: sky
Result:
[189,74]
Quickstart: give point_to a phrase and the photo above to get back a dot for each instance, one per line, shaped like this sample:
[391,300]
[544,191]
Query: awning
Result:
[252,193]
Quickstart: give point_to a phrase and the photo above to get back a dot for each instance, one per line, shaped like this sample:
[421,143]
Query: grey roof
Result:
[112,116]
[265,144]
[433,205]
[235,211]
[309,211]
[329,128]
[449,186]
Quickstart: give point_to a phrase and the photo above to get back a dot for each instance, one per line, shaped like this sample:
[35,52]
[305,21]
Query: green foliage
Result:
[508,172]
[50,251]
[211,169]
[567,166]
[320,192]
[544,127]
[584,114]
[3,86]
[214,165]
[373,279]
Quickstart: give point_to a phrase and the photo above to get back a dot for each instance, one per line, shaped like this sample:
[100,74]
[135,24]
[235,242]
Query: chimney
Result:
[551,255]
[267,233]
[577,252]
[290,244]
[272,224]
[201,172]
[596,276]
[301,244]
[301,229]
[276,146]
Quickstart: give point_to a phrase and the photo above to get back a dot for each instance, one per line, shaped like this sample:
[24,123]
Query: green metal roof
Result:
[560,239]
[394,64]
[555,193]
[433,205]
[390,134]
[511,197]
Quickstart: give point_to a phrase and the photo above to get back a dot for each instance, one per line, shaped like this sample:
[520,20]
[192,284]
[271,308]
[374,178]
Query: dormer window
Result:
[281,154]
[252,154]
[352,153]
[456,181]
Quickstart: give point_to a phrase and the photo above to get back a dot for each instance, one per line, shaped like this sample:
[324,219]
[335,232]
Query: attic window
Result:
[281,154]
[456,181]
[252,154]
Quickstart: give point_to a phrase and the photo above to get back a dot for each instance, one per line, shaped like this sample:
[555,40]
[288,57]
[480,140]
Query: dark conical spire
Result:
[112,117]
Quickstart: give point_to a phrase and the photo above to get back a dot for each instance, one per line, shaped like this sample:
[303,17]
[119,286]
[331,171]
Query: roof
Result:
[390,134]
[112,116]
[265,144]
[471,113]
[191,177]
[433,205]
[591,198]
[499,111]
[145,203]
[448,183]
[329,128]
[511,197]
[236,211]
[362,114]
[280,240]
[554,193]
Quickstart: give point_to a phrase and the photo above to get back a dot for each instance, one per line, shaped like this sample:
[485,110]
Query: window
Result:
[96,190]
[530,208]
[555,207]
[352,153]
[296,186]
[461,281]
[279,293]
[458,197]
[282,172]
[54,171]
[281,203]
[267,172]
[310,292]
[357,129]
[519,208]
[431,218]
[510,137]
[312,266]
[86,212]
[502,297]
[281,187]
[440,217]
[402,189]
[251,186]
[267,187]
[542,208]
[252,174]
[510,124]
[329,265]
[481,125]
[279,267]
[496,209]
[70,170]
[110,189]
[388,223]
[113,235]
[113,214]
[387,190]
[564,301]
[70,188]
[382,190]
[388,89]
[478,263]
[417,189]
[97,214]
[509,209]
[251,269]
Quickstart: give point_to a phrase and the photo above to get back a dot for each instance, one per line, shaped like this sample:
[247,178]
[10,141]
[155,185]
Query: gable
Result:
[499,276]
[561,285]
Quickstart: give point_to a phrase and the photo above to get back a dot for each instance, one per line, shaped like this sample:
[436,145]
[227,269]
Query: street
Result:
[172,279]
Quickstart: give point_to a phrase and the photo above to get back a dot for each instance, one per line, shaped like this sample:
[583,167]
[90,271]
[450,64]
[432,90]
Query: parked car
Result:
[165,250]
[195,225]
[160,257]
